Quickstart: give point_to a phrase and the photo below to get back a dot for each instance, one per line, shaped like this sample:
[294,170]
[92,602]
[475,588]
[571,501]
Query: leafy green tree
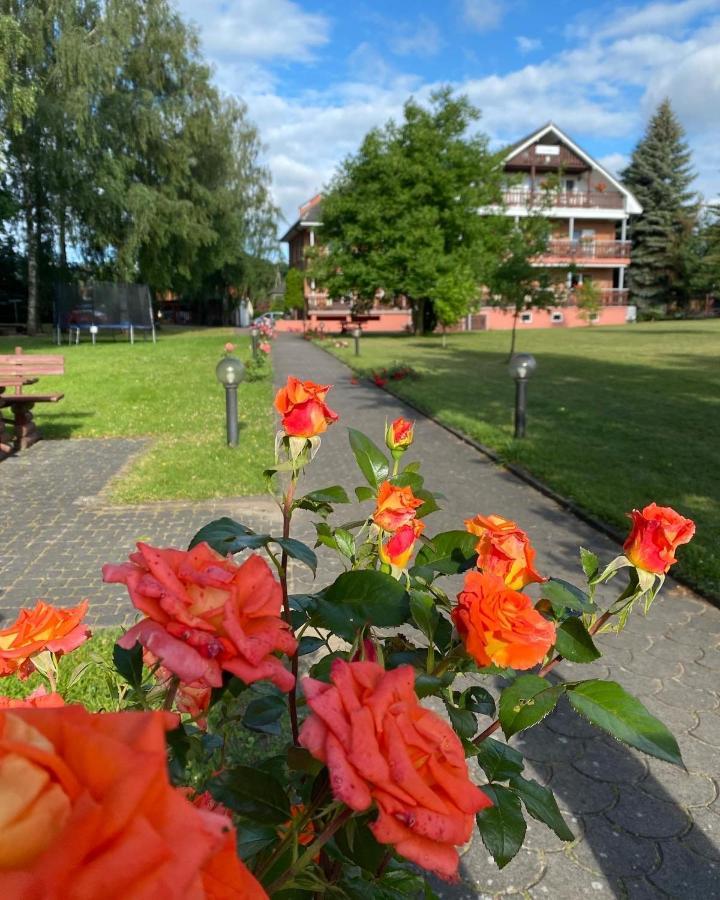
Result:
[515,282]
[454,294]
[660,175]
[294,290]
[402,213]
[588,298]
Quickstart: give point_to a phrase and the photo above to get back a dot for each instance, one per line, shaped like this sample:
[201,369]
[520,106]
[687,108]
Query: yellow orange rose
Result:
[395,507]
[43,628]
[504,550]
[86,810]
[398,549]
[657,532]
[303,409]
[499,625]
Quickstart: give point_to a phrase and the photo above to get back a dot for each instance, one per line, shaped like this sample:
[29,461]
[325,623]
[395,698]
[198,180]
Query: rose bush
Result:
[371,783]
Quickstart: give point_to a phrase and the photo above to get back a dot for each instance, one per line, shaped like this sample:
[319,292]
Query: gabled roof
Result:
[310,214]
[632,204]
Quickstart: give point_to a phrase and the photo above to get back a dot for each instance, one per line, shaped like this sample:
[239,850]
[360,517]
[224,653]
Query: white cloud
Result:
[483,15]
[257,29]
[693,86]
[614,162]
[659,17]
[527,44]
[421,40]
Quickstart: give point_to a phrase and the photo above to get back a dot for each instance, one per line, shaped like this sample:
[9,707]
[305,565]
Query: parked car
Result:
[269,318]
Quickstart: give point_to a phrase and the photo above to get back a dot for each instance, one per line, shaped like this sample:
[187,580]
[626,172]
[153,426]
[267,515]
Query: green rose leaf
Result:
[526,702]
[299,551]
[359,598]
[426,684]
[610,707]
[251,839]
[364,493]
[309,644]
[462,720]
[541,805]
[227,536]
[477,699]
[449,553]
[370,459]
[502,826]
[264,713]
[129,663]
[590,563]
[498,761]
[573,642]
[566,598]
[252,793]
[334,494]
[424,612]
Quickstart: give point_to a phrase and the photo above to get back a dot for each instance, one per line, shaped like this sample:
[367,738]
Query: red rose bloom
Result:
[205,613]
[504,549]
[399,434]
[303,409]
[381,746]
[399,548]
[656,534]
[499,625]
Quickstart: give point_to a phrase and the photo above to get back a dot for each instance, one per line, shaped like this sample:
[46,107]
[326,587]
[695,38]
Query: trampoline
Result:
[103,307]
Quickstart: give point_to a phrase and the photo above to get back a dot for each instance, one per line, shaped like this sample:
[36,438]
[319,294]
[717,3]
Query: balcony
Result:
[571,200]
[570,251]
[608,297]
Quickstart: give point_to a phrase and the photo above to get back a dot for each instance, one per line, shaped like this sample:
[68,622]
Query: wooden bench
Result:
[18,371]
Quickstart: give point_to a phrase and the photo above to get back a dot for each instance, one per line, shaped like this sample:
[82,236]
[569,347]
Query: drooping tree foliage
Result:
[119,147]
[400,218]
[660,175]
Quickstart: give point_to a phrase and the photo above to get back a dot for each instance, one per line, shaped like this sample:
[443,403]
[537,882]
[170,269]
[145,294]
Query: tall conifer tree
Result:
[660,175]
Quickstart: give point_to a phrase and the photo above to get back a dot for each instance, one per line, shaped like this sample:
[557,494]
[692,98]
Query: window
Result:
[526,317]
[570,185]
[556,317]
[595,317]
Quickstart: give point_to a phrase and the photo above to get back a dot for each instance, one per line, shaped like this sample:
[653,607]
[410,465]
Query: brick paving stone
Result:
[615,851]
[57,529]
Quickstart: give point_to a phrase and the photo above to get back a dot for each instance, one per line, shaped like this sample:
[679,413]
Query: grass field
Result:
[168,392]
[617,417]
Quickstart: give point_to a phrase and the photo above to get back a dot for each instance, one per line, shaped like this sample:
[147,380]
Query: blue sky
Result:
[317,75]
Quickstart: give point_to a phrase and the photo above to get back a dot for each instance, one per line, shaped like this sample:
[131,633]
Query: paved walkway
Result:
[644,829]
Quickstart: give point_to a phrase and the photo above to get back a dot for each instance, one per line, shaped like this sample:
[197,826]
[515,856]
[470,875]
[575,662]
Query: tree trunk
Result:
[444,339]
[418,316]
[62,239]
[31,242]
[516,316]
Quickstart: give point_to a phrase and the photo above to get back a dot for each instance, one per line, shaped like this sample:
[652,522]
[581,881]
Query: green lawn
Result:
[168,392]
[617,417]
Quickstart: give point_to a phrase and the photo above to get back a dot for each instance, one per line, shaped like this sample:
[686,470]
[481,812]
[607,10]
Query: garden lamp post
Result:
[521,367]
[230,372]
[254,332]
[356,333]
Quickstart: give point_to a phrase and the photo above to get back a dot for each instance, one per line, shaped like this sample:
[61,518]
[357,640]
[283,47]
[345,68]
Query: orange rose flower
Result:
[303,409]
[205,613]
[87,810]
[39,699]
[656,534]
[399,548]
[395,507]
[399,434]
[499,625]
[381,746]
[44,628]
[504,550]
[193,698]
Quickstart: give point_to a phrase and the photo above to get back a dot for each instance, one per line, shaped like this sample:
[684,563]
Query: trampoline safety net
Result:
[102,306]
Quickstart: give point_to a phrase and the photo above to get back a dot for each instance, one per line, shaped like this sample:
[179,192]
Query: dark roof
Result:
[310,214]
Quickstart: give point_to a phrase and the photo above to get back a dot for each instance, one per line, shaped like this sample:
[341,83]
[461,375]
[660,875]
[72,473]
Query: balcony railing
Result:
[571,199]
[608,297]
[584,248]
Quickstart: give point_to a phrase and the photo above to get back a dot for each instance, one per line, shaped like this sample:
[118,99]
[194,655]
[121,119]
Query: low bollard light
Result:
[521,367]
[254,334]
[357,333]
[230,372]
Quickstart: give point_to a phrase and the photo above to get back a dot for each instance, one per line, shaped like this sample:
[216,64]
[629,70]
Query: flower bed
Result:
[372,783]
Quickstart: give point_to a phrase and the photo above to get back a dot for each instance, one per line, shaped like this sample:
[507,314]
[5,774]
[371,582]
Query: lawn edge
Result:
[524,475]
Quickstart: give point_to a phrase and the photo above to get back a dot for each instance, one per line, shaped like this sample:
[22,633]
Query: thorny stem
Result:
[171,692]
[287,614]
[545,669]
[311,852]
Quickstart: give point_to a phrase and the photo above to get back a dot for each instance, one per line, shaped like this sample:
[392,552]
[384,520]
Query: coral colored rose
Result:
[205,613]
[303,409]
[39,699]
[395,507]
[265,347]
[399,548]
[657,532]
[229,347]
[399,434]
[193,698]
[499,625]
[86,810]
[504,550]
[43,628]
[381,746]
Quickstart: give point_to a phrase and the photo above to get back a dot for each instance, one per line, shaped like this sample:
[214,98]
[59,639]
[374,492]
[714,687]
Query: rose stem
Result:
[545,669]
[287,516]
[311,852]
